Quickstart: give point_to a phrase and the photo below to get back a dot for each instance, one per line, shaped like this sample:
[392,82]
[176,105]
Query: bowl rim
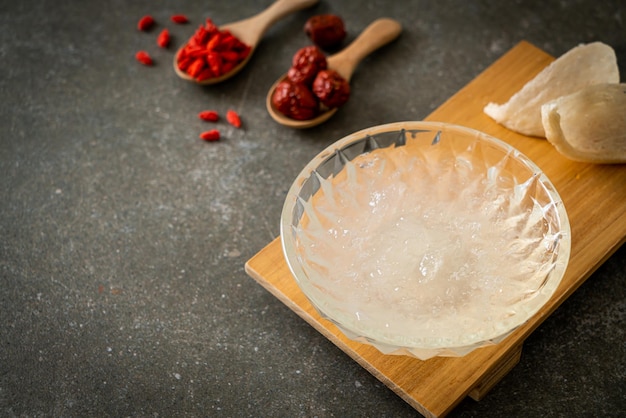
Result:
[289,248]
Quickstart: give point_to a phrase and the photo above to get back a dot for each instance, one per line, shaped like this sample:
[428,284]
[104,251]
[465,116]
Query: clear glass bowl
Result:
[424,238]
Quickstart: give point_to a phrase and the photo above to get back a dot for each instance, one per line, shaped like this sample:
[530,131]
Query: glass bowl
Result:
[424,238]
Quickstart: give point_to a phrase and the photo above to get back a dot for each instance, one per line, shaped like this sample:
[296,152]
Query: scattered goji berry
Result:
[145,23]
[163,40]
[209,115]
[233,118]
[212,135]
[144,58]
[180,19]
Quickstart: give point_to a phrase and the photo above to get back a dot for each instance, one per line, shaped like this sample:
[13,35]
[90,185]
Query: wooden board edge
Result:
[491,379]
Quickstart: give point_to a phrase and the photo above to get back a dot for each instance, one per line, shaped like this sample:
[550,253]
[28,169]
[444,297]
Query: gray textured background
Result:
[123,236]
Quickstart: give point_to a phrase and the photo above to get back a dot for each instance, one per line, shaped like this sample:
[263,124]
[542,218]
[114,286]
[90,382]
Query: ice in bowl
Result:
[424,238]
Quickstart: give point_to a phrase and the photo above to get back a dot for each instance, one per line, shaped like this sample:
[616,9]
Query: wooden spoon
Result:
[377,34]
[250,31]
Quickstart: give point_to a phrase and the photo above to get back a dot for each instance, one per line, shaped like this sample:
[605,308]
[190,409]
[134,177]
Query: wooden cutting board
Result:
[594,197]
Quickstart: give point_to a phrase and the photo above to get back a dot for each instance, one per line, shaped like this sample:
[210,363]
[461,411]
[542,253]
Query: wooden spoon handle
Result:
[251,30]
[378,33]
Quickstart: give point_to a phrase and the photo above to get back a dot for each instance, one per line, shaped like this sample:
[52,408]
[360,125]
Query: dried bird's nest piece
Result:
[580,67]
[589,125]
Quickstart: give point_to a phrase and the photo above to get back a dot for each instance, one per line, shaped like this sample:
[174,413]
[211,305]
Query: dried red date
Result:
[331,88]
[295,100]
[326,31]
[306,63]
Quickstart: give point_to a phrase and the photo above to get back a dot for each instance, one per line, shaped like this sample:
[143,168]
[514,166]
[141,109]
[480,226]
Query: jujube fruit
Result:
[326,31]
[331,88]
[295,100]
[305,65]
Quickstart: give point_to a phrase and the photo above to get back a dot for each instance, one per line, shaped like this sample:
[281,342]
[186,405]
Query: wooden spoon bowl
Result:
[377,34]
[249,31]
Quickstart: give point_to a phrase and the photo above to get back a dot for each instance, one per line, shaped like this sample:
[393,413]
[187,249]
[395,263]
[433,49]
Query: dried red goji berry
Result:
[228,41]
[196,67]
[205,74]
[184,63]
[144,58]
[209,115]
[163,40]
[210,27]
[182,54]
[195,52]
[215,62]
[212,135]
[145,23]
[244,52]
[200,37]
[180,19]
[233,118]
[227,66]
[230,55]
[213,42]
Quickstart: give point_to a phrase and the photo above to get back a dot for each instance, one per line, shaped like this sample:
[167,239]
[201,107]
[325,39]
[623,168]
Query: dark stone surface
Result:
[123,236]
